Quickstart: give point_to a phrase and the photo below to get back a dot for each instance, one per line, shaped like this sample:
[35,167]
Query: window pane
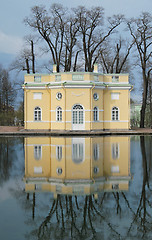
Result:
[77,114]
[77,152]
[115,114]
[96,151]
[59,114]
[59,152]
[37,152]
[80,117]
[37,114]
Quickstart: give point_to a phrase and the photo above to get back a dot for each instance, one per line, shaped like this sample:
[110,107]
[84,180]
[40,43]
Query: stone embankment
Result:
[20,131]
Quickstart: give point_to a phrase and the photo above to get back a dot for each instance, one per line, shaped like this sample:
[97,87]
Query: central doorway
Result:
[78,117]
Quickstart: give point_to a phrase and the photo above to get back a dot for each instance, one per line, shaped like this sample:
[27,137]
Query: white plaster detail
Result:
[78,95]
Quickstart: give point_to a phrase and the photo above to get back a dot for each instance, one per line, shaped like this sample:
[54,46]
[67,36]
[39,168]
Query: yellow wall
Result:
[29,106]
[76,94]
[122,104]
[92,174]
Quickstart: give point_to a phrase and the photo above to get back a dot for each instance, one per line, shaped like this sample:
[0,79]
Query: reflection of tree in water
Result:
[7,156]
[84,217]
[74,217]
[142,216]
[87,218]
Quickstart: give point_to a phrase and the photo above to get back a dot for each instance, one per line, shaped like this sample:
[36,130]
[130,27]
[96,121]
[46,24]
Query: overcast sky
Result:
[12,13]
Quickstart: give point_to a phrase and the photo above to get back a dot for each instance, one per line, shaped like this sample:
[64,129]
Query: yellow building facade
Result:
[79,166]
[76,101]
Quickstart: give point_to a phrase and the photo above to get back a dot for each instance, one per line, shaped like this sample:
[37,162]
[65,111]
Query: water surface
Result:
[76,188]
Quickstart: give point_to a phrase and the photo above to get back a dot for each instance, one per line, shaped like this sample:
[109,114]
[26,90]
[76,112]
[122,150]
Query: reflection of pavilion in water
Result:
[77,165]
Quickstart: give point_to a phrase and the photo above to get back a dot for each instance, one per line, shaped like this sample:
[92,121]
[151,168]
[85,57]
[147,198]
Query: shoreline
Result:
[20,131]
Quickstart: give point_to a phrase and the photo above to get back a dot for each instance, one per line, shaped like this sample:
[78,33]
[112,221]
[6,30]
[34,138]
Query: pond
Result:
[76,188]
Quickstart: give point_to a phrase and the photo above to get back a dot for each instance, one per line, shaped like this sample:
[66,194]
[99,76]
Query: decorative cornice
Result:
[82,84]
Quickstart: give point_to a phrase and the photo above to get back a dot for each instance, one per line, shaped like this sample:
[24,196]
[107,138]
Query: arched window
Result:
[37,114]
[78,114]
[58,153]
[115,114]
[95,114]
[115,150]
[59,114]
[38,152]
[77,152]
[96,151]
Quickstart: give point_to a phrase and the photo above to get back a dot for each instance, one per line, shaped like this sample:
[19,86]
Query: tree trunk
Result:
[27,67]
[144,102]
[33,57]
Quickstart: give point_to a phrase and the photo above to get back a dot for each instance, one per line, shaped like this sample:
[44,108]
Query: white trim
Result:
[79,86]
[33,145]
[70,121]
[87,110]
[116,121]
[118,88]
[35,88]
[37,121]
[74,82]
[116,82]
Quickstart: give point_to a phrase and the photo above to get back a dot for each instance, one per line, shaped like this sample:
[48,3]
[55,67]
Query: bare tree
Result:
[92,30]
[114,56]
[140,30]
[50,25]
[69,33]
[25,61]
[70,42]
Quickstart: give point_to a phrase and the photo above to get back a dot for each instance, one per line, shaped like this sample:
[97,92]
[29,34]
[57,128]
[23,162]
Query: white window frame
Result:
[115,113]
[96,170]
[115,150]
[96,114]
[78,114]
[78,150]
[37,114]
[38,152]
[59,96]
[96,151]
[58,152]
[59,171]
[59,114]
[95,96]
